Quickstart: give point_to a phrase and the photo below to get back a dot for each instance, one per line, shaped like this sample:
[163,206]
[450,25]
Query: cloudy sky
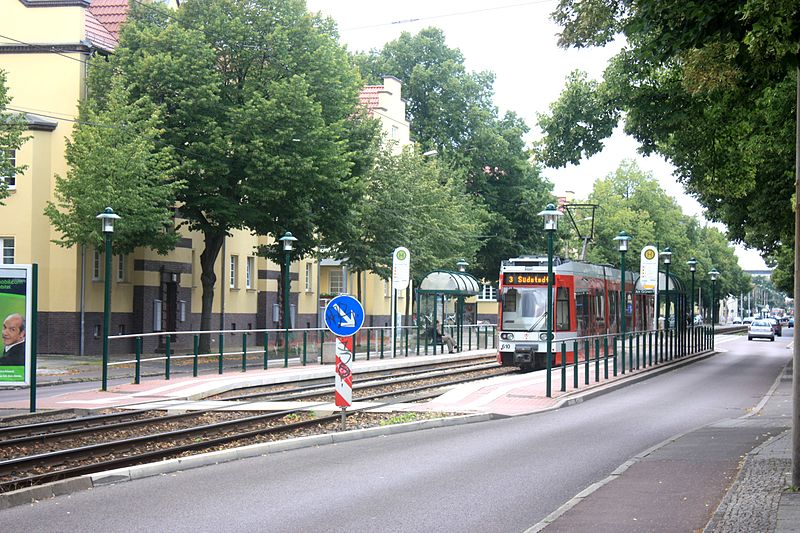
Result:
[517,41]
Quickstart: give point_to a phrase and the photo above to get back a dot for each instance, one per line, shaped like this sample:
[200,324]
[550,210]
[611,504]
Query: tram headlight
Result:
[507,336]
[543,336]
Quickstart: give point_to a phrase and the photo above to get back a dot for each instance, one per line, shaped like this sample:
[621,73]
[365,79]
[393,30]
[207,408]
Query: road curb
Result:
[31,495]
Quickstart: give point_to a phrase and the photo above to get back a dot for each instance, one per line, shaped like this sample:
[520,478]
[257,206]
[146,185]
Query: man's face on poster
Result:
[12,330]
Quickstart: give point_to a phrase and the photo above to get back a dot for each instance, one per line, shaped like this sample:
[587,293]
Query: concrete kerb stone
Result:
[68,486]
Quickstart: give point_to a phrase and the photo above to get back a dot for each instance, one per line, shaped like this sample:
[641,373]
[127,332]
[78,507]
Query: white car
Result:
[761,329]
[748,319]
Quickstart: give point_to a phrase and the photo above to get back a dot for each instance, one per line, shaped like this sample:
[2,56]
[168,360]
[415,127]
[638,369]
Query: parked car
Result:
[776,326]
[737,320]
[748,319]
[760,329]
[791,322]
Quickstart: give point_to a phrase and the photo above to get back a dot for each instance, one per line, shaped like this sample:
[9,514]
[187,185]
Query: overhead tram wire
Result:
[446,15]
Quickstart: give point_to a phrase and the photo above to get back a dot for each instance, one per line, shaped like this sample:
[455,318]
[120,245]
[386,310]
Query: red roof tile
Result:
[368,96]
[98,35]
[110,13]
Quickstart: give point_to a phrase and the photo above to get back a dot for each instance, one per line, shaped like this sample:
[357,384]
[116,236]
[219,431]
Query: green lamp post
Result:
[622,242]
[550,215]
[107,219]
[714,276]
[288,245]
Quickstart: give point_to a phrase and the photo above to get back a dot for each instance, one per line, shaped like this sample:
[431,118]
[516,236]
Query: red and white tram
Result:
[586,302]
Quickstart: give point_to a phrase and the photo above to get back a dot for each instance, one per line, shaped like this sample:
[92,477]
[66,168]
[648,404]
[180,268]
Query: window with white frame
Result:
[121,268]
[488,293]
[8,250]
[11,177]
[387,288]
[251,266]
[96,265]
[308,277]
[234,271]
[395,133]
[336,281]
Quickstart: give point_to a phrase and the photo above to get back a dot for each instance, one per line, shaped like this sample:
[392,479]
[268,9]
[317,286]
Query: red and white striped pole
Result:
[344,376]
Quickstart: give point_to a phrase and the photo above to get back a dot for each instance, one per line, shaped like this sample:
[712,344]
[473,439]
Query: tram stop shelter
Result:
[439,292]
[671,301]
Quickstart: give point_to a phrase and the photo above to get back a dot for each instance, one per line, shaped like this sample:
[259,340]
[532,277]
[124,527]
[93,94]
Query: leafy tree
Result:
[113,161]
[633,201]
[256,101]
[451,111]
[12,127]
[710,86]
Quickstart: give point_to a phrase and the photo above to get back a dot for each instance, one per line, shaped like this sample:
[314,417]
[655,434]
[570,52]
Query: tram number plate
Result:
[506,346]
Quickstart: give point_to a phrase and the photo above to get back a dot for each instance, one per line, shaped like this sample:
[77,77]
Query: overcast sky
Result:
[517,41]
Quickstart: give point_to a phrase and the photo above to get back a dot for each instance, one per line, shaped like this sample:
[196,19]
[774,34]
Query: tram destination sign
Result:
[524,279]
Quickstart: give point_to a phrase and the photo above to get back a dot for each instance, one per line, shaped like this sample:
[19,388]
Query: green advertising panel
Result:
[15,313]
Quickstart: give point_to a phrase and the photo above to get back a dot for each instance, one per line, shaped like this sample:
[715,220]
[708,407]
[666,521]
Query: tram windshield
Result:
[524,309]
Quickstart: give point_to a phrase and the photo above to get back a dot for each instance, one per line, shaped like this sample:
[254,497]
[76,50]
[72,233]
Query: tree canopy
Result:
[709,85]
[451,111]
[631,200]
[255,100]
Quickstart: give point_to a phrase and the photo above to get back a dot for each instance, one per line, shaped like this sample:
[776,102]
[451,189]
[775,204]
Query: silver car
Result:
[760,329]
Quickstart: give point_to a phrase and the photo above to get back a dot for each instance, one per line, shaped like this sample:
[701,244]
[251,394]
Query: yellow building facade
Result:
[44,48]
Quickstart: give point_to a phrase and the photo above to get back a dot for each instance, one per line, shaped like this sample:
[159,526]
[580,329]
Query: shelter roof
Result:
[452,283]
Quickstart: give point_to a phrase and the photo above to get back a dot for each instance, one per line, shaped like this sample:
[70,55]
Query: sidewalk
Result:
[674,485]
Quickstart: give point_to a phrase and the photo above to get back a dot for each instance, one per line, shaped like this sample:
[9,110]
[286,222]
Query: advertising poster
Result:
[15,311]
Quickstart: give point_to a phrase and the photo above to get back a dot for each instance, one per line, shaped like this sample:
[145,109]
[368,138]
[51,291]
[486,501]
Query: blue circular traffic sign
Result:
[344,315]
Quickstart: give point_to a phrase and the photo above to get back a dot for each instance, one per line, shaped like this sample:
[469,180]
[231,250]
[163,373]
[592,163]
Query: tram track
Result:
[39,458]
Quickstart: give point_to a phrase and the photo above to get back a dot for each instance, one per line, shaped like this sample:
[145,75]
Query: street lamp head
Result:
[288,241]
[622,241]
[692,264]
[714,274]
[462,265]
[550,215]
[107,218]
[667,255]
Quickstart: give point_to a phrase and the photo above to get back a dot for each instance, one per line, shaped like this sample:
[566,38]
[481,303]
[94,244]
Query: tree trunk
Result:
[213,244]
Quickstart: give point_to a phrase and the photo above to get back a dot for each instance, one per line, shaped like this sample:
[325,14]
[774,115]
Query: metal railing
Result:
[243,349]
[617,354]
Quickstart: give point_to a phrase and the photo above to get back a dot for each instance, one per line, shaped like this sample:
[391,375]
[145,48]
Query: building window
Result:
[336,281]
[395,132]
[11,177]
[387,288]
[121,329]
[488,293]
[96,265]
[308,277]
[8,250]
[234,271]
[251,266]
[120,268]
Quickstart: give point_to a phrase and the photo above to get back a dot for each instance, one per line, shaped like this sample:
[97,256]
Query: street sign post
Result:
[344,316]
[401,275]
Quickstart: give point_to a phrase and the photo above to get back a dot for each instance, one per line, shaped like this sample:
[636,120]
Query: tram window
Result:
[510,301]
[613,312]
[562,309]
[582,312]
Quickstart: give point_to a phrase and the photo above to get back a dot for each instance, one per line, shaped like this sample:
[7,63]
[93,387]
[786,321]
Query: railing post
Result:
[221,350]
[405,333]
[137,377]
[586,365]
[575,363]
[369,334]
[637,352]
[614,346]
[244,352]
[195,359]
[305,347]
[596,359]
[605,357]
[563,367]
[167,362]
[266,349]
[381,328]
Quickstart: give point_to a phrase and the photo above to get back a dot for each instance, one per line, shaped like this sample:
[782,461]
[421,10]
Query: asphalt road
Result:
[503,475]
